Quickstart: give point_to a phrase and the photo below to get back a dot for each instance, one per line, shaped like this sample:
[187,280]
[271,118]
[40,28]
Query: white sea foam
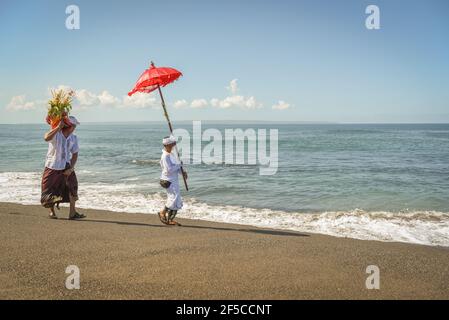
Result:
[423,227]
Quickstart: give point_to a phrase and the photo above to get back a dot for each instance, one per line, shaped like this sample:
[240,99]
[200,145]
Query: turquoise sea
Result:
[386,182]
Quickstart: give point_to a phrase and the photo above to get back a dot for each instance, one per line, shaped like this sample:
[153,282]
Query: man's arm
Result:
[170,166]
[50,134]
[74,159]
[68,172]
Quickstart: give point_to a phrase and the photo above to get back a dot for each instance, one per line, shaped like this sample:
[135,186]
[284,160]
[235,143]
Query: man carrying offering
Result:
[59,182]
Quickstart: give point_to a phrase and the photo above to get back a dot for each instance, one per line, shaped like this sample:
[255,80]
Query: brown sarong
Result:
[57,188]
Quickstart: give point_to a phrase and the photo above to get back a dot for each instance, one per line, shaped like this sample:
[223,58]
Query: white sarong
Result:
[174,199]
[171,168]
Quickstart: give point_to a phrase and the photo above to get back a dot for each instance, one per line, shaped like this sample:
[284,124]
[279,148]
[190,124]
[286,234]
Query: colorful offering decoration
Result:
[59,107]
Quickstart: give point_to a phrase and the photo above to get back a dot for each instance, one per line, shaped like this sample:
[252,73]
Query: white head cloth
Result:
[168,140]
[74,121]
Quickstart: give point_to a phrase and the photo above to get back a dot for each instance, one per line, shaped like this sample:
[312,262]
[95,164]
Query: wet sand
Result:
[134,256]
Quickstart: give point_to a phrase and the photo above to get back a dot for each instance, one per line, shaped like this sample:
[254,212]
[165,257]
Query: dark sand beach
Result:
[134,256]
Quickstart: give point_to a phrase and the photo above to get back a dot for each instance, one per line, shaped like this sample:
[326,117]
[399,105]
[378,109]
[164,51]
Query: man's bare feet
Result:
[52,214]
[77,216]
[162,217]
[174,223]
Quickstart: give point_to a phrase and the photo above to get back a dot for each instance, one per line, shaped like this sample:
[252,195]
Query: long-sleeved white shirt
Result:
[60,150]
[170,166]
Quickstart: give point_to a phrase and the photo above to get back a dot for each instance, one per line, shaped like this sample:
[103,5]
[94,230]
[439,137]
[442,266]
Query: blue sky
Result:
[316,57]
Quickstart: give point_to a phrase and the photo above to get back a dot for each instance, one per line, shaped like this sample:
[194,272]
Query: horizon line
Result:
[228,121]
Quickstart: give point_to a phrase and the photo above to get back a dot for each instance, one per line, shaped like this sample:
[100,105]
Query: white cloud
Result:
[83,97]
[180,104]
[214,102]
[233,87]
[281,105]
[86,98]
[199,103]
[227,102]
[230,101]
[106,99]
[236,101]
[140,100]
[251,103]
[59,87]
[19,103]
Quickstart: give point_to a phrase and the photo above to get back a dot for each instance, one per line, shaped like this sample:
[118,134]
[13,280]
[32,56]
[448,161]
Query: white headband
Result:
[168,140]
[73,121]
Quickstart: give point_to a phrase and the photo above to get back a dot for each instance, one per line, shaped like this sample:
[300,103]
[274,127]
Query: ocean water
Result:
[387,182]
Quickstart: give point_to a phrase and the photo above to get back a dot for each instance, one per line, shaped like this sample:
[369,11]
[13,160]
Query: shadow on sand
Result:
[259,231]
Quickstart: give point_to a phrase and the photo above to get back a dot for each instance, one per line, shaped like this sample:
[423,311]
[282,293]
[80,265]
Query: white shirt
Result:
[60,150]
[170,166]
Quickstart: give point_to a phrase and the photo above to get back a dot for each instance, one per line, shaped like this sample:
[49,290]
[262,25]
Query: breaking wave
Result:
[422,227]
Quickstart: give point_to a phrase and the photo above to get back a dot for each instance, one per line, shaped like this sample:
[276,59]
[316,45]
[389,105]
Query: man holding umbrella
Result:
[171,168]
[152,79]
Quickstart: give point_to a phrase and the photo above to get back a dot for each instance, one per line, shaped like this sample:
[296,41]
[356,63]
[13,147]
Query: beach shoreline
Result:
[134,256]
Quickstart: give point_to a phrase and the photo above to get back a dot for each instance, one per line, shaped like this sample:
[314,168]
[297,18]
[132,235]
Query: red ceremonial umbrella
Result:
[155,78]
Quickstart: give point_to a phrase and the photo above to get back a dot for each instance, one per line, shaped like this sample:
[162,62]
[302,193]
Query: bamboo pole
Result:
[171,131]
